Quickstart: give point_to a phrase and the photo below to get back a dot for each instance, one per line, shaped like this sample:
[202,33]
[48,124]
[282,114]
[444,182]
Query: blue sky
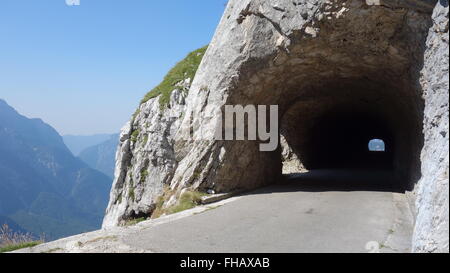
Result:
[83,69]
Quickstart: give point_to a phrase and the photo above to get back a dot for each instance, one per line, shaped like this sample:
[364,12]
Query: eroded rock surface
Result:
[432,224]
[145,159]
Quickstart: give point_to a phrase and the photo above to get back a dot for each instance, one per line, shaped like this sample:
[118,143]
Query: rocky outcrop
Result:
[357,61]
[145,159]
[432,225]
[291,163]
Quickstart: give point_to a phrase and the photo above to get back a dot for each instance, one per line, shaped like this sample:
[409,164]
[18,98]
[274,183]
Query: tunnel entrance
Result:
[353,79]
[339,140]
[376,145]
[345,119]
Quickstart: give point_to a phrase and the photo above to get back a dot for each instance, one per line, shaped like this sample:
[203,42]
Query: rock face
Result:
[330,66]
[432,225]
[145,160]
[291,162]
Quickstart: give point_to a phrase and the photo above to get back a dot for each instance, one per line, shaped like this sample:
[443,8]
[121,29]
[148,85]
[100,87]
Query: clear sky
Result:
[83,69]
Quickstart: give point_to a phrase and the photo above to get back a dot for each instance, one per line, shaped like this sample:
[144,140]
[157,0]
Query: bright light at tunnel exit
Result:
[377,145]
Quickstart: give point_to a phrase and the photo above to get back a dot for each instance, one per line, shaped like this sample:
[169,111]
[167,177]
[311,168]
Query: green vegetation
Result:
[188,200]
[134,135]
[10,248]
[135,221]
[131,193]
[196,174]
[145,139]
[144,174]
[185,69]
[10,240]
[159,210]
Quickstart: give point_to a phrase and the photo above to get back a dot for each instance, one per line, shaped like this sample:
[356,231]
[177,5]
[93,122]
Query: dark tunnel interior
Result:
[341,141]
[342,118]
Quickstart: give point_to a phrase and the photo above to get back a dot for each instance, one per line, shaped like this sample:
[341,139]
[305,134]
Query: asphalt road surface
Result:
[322,211]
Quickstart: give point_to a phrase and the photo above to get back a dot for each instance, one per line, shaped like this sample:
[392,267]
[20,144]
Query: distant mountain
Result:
[102,157]
[77,144]
[43,187]
[11,224]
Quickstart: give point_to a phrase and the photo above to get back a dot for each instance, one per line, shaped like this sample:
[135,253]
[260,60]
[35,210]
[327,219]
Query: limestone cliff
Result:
[145,160]
[380,61]
[432,224]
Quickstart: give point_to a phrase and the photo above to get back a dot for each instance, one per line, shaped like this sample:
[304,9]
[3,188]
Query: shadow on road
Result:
[345,180]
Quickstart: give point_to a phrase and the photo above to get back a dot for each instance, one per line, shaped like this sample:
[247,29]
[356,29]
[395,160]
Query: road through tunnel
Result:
[333,129]
[353,80]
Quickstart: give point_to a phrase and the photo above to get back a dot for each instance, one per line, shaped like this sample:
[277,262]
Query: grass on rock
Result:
[10,240]
[10,248]
[135,221]
[185,69]
[188,200]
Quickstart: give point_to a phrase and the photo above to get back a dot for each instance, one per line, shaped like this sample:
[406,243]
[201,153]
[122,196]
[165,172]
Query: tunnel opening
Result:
[340,141]
[357,78]
[345,116]
[376,145]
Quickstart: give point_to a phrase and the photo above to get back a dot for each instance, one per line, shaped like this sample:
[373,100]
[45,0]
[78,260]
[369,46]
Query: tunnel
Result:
[333,128]
[355,79]
[341,140]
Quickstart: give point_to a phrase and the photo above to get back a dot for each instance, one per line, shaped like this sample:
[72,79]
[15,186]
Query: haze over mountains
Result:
[44,188]
[102,156]
[78,144]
